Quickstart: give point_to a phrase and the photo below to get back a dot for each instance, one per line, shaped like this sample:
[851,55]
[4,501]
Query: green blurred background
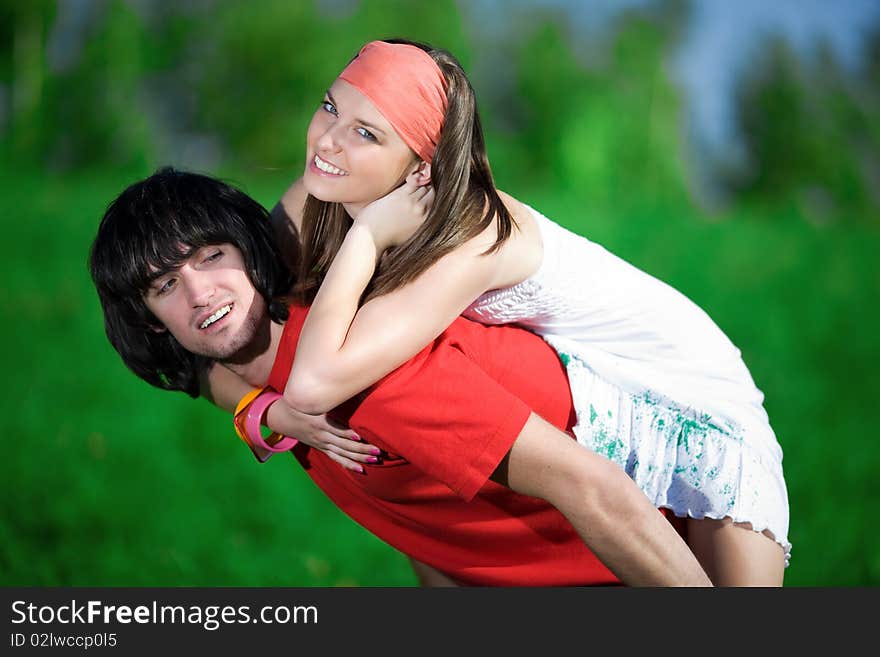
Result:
[592,112]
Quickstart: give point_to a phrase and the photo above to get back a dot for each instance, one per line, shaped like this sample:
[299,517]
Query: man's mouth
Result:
[216,315]
[326,167]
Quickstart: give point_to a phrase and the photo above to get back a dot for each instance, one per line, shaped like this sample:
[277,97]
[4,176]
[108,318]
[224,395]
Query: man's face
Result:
[209,303]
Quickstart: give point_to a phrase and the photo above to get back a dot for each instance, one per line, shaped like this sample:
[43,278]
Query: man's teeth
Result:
[327,167]
[217,315]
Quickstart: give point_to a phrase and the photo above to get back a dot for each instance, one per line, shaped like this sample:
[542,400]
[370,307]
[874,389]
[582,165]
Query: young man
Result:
[475,486]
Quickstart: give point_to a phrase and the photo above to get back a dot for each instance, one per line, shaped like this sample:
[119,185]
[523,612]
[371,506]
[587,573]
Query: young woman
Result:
[402,229]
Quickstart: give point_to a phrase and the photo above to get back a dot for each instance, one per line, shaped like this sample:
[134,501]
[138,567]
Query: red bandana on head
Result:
[407,87]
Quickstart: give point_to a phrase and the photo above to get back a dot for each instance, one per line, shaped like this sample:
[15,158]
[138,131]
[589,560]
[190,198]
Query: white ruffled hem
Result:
[690,513]
[680,458]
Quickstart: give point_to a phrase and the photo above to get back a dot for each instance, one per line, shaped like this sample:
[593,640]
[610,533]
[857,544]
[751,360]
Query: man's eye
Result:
[165,287]
[366,134]
[214,256]
[328,107]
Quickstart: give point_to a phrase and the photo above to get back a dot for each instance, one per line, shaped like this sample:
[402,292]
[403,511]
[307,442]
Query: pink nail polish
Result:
[372,459]
[376,451]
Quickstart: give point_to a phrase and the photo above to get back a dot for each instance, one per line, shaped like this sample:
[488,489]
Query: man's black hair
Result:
[154,226]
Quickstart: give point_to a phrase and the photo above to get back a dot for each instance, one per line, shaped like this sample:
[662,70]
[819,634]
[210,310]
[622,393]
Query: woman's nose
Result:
[329,139]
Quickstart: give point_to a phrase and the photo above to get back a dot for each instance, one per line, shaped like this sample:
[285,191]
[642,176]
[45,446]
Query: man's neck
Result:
[257,365]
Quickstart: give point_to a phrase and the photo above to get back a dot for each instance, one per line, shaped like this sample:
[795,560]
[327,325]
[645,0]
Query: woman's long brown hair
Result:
[465,200]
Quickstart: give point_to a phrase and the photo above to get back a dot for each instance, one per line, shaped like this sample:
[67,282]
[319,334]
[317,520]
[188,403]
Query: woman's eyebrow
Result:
[369,125]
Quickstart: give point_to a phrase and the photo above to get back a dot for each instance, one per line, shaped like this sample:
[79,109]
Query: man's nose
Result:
[198,286]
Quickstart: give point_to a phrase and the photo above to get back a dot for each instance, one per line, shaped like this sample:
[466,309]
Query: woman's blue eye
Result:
[366,134]
[328,107]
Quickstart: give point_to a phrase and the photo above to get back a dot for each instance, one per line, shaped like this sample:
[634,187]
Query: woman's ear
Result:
[423,174]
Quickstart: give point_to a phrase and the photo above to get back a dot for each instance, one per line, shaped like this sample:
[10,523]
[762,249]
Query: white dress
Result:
[657,386]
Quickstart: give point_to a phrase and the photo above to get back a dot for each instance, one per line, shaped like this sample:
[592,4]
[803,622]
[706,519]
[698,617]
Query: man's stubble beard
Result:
[252,338]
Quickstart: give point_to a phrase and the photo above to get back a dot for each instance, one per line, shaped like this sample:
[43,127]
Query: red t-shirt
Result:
[446,418]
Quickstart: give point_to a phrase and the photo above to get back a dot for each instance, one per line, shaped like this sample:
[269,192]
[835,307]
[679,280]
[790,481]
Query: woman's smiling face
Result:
[353,155]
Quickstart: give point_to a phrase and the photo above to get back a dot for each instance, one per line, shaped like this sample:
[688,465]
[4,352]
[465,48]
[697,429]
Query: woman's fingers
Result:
[346,440]
[341,431]
[428,197]
[324,423]
[351,448]
[349,460]
[348,464]
[339,428]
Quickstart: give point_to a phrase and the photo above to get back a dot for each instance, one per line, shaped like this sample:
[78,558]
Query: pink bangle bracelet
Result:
[254,418]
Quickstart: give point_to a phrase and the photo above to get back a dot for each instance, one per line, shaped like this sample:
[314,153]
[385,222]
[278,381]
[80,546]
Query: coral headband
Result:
[407,87]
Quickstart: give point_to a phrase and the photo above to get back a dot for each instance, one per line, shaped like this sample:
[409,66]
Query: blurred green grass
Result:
[106,481]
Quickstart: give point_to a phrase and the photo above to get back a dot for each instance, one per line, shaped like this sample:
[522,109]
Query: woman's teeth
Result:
[217,315]
[327,167]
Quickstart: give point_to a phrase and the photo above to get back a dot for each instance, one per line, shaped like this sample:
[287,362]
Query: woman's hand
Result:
[395,217]
[338,442]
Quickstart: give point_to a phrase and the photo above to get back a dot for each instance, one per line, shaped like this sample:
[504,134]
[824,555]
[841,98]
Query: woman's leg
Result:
[429,576]
[733,554]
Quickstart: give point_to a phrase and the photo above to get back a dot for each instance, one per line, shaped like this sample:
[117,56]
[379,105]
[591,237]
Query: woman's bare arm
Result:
[344,349]
[224,388]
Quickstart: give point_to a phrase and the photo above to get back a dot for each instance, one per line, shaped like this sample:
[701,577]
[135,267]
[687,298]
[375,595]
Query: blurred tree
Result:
[812,133]
[93,109]
[23,30]
[261,74]
[96,106]
[609,133]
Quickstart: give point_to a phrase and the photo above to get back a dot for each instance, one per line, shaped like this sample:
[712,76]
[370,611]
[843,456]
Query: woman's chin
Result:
[320,189]
[329,192]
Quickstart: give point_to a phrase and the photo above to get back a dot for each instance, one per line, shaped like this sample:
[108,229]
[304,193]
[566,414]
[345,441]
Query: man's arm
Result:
[429,413]
[286,220]
[608,510]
